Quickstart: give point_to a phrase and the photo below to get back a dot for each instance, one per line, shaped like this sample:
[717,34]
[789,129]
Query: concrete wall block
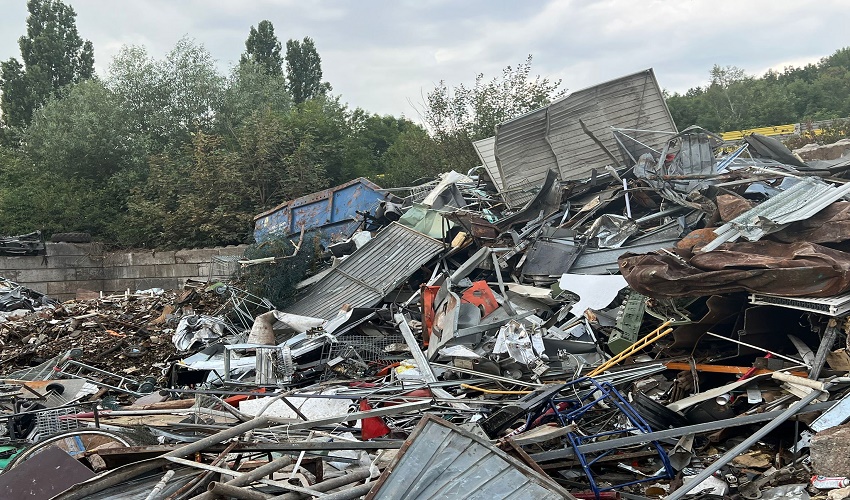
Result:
[130,272]
[195,256]
[164,283]
[40,287]
[12,274]
[72,262]
[70,249]
[92,285]
[203,270]
[47,275]
[114,286]
[176,271]
[117,259]
[62,289]
[150,258]
[90,273]
[33,262]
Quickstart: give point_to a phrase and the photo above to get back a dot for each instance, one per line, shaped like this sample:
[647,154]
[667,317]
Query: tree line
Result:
[172,153]
[734,100]
[169,152]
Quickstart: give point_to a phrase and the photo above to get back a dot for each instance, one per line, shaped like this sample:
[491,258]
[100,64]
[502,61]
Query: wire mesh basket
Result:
[363,353]
[54,421]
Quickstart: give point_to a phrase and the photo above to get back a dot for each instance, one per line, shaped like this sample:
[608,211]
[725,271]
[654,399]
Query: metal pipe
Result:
[122,474]
[155,492]
[225,490]
[349,494]
[744,446]
[250,477]
[200,478]
[331,484]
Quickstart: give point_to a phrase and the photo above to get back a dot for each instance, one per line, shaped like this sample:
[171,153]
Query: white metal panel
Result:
[552,137]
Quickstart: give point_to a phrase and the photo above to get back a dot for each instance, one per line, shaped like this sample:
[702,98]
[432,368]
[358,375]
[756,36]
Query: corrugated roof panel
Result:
[487,154]
[440,460]
[552,137]
[367,275]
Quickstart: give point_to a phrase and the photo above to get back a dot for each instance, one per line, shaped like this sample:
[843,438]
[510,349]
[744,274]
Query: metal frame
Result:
[582,403]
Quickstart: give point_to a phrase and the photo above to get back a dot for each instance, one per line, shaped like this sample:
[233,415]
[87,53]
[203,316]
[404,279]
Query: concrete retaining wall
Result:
[68,267]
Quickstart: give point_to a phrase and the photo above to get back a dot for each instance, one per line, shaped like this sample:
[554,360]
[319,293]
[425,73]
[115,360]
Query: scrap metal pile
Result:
[606,308]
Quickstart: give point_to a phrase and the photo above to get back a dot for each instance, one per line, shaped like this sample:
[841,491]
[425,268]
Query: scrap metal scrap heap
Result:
[607,307]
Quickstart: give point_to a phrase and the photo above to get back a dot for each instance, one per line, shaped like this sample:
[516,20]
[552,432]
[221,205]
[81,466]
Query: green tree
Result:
[170,98]
[279,161]
[250,90]
[457,116]
[86,133]
[370,138]
[263,49]
[413,156]
[79,161]
[194,198]
[53,56]
[304,70]
[732,100]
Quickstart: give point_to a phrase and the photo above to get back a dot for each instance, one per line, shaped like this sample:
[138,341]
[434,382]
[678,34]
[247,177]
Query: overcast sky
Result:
[385,55]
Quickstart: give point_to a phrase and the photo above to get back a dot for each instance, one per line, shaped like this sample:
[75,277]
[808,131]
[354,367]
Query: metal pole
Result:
[744,446]
[349,494]
[250,477]
[225,490]
[331,484]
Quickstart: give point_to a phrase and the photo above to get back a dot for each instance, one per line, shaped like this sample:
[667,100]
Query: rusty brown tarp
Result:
[795,269]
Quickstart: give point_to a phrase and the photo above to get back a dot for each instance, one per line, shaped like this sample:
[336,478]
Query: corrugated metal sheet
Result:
[799,202]
[370,273]
[440,460]
[486,149]
[552,137]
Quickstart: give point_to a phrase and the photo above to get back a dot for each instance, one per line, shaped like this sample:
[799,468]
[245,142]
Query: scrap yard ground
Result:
[605,307]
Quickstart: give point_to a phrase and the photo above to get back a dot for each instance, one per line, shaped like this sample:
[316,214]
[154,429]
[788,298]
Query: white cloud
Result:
[383,55]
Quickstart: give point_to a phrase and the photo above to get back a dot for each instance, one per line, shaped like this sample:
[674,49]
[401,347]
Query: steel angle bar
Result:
[422,361]
[677,432]
[743,446]
[348,417]
[496,378]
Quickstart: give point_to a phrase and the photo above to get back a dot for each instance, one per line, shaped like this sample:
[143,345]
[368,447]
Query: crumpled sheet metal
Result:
[831,225]
[799,202]
[793,270]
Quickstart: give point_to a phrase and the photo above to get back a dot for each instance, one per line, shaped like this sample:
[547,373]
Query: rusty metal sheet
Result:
[796,269]
[43,476]
[831,225]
